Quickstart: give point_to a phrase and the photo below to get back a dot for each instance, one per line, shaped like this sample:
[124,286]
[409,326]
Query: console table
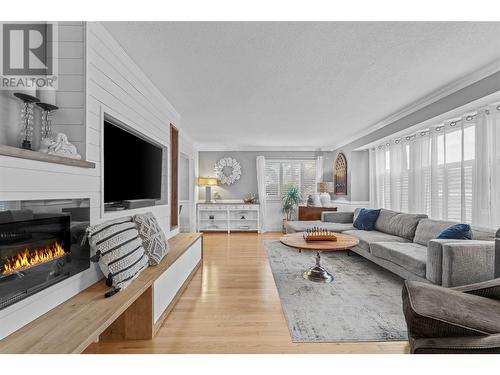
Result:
[313,213]
[228,217]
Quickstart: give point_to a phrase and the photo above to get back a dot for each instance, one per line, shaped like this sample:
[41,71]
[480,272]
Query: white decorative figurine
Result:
[62,147]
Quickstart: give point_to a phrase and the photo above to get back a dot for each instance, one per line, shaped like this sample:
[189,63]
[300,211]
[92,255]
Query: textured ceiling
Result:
[300,84]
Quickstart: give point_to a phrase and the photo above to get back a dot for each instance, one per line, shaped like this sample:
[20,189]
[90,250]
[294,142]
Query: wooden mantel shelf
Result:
[40,156]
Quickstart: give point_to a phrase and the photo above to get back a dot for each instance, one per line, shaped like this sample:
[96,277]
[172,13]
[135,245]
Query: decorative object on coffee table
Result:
[319,234]
[62,147]
[28,117]
[340,169]
[46,128]
[228,170]
[317,273]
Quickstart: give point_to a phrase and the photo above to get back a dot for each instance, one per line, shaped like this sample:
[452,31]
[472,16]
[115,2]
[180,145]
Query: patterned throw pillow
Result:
[116,245]
[153,238]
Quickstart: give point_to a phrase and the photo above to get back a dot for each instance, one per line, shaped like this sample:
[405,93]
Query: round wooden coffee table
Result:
[317,273]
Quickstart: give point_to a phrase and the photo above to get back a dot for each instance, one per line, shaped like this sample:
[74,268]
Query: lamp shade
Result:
[208,181]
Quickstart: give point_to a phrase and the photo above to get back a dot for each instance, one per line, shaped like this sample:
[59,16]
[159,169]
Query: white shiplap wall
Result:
[70,96]
[116,85]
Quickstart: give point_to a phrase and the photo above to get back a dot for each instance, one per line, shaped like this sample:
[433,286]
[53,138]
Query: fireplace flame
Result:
[27,259]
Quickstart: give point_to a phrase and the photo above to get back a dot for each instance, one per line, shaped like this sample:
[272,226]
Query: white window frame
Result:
[280,190]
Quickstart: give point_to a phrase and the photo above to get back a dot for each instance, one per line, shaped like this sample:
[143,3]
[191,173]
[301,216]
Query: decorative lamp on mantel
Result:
[208,182]
[28,118]
[46,128]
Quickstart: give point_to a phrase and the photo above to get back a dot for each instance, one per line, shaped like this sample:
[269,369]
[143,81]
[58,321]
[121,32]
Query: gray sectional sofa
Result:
[405,244]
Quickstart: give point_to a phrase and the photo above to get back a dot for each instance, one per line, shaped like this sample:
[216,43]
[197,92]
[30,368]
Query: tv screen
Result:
[132,166]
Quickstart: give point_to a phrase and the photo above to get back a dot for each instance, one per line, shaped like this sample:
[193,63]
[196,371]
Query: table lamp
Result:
[208,182]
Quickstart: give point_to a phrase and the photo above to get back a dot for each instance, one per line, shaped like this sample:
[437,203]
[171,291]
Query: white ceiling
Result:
[300,84]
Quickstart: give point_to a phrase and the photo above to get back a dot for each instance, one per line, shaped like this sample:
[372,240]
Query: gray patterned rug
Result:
[363,303]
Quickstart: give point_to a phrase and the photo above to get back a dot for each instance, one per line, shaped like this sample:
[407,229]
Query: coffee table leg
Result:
[317,273]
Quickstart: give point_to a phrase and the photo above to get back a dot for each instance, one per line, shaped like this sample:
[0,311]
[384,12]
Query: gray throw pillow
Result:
[153,238]
[116,245]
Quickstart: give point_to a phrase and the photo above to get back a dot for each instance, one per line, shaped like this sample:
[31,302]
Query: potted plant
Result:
[290,201]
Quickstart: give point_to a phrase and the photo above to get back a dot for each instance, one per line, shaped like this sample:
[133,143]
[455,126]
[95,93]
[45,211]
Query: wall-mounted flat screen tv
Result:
[132,166]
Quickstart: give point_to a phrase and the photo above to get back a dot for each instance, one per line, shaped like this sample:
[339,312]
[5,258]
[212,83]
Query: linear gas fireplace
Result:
[40,245]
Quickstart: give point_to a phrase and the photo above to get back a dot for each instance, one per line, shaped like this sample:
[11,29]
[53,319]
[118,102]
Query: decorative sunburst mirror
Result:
[228,170]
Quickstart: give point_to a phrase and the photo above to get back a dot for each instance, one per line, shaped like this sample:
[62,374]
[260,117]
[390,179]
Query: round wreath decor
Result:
[235,170]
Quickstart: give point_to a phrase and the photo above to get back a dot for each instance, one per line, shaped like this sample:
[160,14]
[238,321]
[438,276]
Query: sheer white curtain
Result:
[486,176]
[319,170]
[419,184]
[450,171]
[380,177]
[261,189]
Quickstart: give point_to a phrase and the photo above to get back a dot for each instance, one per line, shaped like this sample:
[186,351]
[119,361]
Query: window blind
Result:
[281,174]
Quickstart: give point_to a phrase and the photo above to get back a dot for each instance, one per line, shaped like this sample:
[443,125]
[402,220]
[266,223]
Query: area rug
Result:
[362,303]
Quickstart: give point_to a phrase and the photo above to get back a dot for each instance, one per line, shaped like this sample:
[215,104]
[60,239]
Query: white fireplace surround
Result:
[115,84]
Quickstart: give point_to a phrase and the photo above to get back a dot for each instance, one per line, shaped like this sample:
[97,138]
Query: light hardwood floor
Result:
[232,306]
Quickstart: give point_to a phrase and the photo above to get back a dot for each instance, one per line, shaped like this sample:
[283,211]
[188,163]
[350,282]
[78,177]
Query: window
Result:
[429,172]
[281,174]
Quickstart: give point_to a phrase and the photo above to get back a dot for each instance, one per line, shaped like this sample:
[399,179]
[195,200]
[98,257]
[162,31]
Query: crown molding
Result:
[444,91]
[216,147]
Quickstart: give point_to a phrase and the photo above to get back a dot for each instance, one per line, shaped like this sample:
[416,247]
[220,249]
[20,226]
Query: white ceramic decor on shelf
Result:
[62,147]
[325,199]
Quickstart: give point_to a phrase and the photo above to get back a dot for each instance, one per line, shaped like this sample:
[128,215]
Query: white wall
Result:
[115,84]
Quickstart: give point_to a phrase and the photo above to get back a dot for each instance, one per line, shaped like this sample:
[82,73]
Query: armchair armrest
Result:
[488,289]
[337,217]
[459,262]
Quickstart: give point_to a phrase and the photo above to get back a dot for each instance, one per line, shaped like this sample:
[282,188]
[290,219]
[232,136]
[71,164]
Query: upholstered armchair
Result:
[464,319]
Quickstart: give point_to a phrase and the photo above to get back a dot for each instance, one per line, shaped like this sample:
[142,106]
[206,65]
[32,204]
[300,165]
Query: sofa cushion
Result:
[411,256]
[301,226]
[456,232]
[429,229]
[337,217]
[434,311]
[398,223]
[366,219]
[368,237]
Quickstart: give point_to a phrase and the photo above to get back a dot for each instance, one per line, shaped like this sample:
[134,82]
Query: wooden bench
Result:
[89,317]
